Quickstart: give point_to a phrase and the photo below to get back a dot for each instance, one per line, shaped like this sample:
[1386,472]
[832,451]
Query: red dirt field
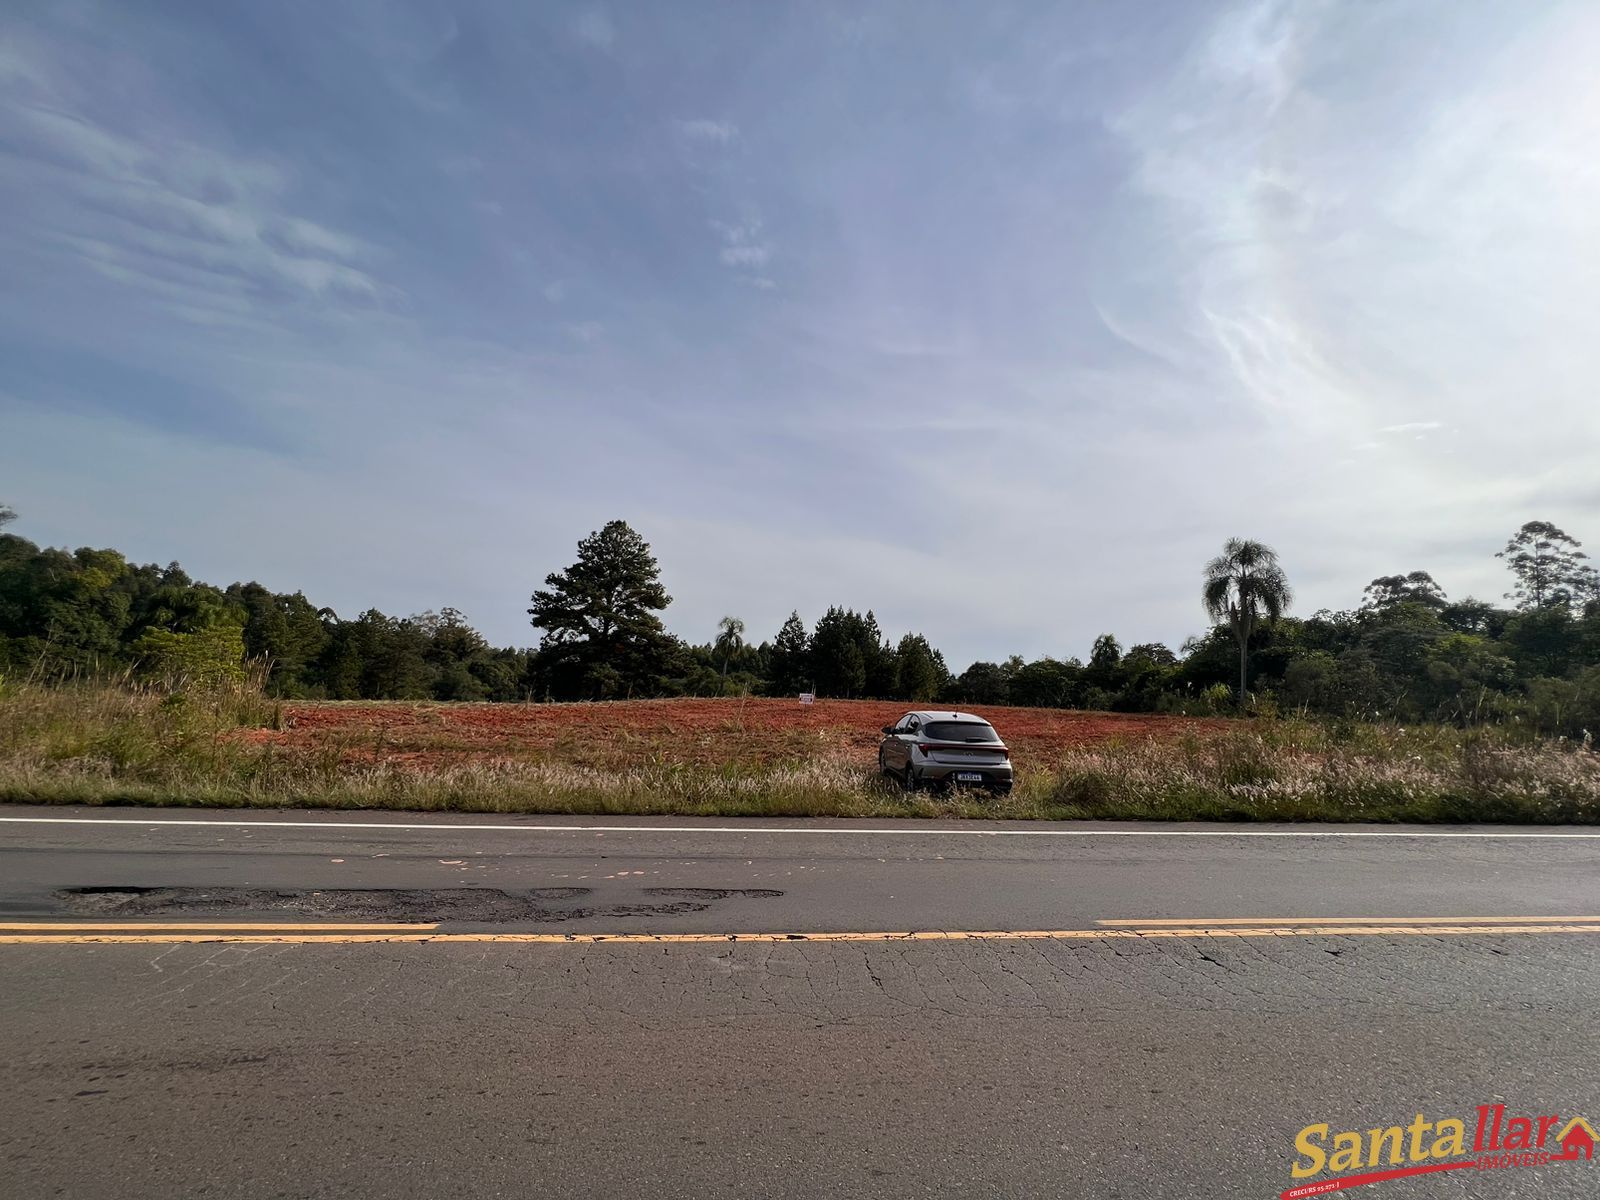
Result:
[703,732]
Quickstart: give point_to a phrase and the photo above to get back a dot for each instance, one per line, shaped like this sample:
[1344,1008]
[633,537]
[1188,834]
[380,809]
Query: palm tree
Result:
[1245,586]
[730,640]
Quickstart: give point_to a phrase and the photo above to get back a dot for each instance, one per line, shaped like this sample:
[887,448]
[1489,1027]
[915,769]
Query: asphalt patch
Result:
[477,906]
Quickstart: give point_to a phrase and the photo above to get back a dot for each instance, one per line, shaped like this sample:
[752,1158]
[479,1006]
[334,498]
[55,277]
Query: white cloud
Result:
[194,223]
[742,244]
[745,256]
[1352,232]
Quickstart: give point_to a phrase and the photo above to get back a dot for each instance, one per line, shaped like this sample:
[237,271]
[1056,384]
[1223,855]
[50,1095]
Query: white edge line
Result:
[766,829]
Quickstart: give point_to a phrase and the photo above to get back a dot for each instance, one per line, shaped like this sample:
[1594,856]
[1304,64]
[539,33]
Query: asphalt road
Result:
[1188,1000]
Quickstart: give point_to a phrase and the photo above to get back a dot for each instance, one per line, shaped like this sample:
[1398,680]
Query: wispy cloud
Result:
[743,244]
[703,130]
[187,223]
[745,256]
[1120,263]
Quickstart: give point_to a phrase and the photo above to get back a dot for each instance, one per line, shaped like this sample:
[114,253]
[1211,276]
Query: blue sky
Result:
[995,318]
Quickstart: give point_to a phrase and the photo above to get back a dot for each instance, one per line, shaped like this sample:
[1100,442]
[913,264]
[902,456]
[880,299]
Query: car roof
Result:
[945,714]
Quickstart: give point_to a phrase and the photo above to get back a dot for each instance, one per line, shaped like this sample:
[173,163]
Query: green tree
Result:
[602,636]
[789,662]
[1544,641]
[1476,617]
[1103,660]
[1048,683]
[207,656]
[63,614]
[392,657]
[1310,681]
[730,640]
[1462,670]
[878,656]
[850,678]
[1397,640]
[919,672]
[7,515]
[1416,588]
[846,656]
[839,652]
[984,683]
[285,631]
[186,633]
[1245,586]
[1145,673]
[1548,567]
[457,654]
[1156,653]
[1570,706]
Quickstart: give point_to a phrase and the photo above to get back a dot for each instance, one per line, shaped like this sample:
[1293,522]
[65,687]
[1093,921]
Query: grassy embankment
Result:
[105,745]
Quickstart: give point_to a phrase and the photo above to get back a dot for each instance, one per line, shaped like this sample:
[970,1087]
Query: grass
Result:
[125,745]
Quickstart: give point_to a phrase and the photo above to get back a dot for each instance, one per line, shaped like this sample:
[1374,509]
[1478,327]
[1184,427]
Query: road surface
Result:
[308,1005]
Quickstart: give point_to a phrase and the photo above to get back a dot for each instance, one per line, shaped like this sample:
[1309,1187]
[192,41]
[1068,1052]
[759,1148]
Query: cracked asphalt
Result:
[1088,1067]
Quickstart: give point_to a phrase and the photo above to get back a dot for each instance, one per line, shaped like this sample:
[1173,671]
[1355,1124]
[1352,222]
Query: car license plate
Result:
[968,777]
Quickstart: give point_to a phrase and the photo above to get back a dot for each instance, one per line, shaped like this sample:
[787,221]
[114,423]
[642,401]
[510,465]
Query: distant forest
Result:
[1406,651]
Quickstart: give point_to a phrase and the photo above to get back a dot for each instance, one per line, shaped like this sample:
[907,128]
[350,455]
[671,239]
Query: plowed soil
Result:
[701,732]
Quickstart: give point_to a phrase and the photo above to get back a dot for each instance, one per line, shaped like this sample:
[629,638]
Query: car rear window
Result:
[960,731]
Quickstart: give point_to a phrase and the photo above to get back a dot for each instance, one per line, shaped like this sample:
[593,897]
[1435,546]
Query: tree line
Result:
[1405,651]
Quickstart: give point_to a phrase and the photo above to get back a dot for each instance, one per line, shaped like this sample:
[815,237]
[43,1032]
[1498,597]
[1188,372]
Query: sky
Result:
[997,319]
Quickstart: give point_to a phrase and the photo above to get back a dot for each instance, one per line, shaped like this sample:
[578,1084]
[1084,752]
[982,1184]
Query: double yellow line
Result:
[1155,927]
[85,932]
[19,933]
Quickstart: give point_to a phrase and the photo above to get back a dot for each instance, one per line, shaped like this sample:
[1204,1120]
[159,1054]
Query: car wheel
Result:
[910,779]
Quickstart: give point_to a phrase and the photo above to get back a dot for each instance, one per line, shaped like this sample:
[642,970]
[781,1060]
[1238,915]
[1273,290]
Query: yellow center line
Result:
[1354,930]
[326,934]
[1210,922]
[169,939]
[331,926]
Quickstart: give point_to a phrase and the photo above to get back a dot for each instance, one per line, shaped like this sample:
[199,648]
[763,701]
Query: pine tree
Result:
[789,663]
[602,637]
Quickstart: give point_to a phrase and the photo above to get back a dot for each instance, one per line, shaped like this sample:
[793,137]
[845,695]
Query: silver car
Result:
[945,748]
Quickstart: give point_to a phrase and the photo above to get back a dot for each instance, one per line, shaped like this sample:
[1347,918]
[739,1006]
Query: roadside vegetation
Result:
[237,748]
[136,684]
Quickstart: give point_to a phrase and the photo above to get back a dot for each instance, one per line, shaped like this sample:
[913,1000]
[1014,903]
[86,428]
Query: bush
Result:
[1566,706]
